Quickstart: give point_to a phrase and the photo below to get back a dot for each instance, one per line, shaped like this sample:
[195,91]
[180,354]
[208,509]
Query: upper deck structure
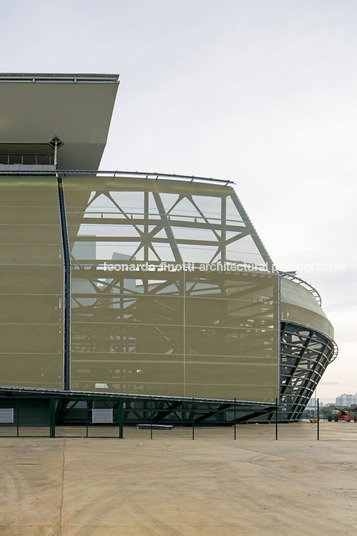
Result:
[37,109]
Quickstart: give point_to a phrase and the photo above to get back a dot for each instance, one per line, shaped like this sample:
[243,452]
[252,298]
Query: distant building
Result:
[313,403]
[345,400]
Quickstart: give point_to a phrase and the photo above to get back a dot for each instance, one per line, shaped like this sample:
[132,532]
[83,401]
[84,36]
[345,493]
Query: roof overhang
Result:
[76,108]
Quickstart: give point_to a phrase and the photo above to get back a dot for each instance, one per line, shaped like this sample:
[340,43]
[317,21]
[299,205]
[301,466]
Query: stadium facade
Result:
[149,287]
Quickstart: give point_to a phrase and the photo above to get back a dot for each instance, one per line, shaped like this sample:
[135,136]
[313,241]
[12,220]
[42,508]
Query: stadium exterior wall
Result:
[171,294]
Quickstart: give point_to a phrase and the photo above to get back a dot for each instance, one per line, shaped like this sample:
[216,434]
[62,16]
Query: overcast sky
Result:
[262,92]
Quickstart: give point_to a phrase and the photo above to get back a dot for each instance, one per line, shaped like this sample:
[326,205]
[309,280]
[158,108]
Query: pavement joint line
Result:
[60,517]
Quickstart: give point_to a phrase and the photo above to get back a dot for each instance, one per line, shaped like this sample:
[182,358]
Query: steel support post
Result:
[67,287]
[223,231]
[87,419]
[235,418]
[121,418]
[150,418]
[193,418]
[52,417]
[17,417]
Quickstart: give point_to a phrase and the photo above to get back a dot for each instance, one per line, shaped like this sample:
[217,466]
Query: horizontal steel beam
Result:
[158,222]
[26,391]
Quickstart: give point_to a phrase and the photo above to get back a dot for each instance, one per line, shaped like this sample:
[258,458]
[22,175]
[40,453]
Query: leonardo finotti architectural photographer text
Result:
[185,267]
[217,267]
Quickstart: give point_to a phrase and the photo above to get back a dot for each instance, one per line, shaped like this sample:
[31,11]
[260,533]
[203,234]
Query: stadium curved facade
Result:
[140,285]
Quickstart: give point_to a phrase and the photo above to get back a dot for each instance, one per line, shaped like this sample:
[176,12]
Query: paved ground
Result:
[173,486]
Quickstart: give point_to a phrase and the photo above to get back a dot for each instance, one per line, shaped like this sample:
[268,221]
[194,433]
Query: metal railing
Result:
[26,159]
[303,283]
[100,417]
[121,174]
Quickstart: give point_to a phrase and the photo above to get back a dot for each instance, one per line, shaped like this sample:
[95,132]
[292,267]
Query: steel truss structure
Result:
[74,408]
[305,355]
[168,305]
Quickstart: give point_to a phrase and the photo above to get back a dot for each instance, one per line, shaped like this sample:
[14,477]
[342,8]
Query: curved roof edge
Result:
[293,277]
[146,175]
[299,305]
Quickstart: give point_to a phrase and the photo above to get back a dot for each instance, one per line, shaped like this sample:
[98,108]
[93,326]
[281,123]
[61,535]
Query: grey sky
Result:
[261,92]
